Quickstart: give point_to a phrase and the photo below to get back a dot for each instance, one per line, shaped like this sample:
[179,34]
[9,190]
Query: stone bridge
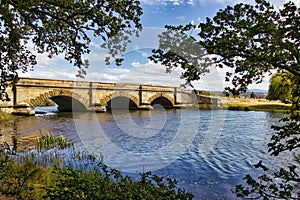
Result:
[29,93]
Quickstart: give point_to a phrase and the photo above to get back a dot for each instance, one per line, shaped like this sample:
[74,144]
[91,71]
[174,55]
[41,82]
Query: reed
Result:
[50,141]
[7,119]
[27,179]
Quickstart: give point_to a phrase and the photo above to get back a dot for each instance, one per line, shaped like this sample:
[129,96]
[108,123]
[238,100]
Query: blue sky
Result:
[136,67]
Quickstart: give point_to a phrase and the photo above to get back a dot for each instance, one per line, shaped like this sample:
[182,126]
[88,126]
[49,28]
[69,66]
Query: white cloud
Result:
[181,18]
[108,78]
[136,64]
[153,2]
[63,74]
[44,61]
[152,73]
[147,73]
[155,74]
[190,2]
[297,2]
[177,2]
[143,53]
[205,2]
[117,70]
[97,56]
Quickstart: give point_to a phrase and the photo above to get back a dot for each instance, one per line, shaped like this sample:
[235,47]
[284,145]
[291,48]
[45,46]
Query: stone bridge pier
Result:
[29,93]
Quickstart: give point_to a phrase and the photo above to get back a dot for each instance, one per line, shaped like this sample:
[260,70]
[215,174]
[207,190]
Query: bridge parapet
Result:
[31,92]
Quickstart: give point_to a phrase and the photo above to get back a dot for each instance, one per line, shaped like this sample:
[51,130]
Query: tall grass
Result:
[7,119]
[259,107]
[28,179]
[49,141]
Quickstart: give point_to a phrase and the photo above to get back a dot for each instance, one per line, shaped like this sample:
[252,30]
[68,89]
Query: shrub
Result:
[27,179]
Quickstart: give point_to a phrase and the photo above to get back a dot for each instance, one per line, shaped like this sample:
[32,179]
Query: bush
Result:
[70,183]
[27,179]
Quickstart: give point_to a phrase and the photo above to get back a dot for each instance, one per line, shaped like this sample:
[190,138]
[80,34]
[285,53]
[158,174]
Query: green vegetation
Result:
[251,39]
[7,119]
[49,141]
[281,87]
[206,106]
[259,107]
[27,178]
[238,107]
[62,27]
[253,95]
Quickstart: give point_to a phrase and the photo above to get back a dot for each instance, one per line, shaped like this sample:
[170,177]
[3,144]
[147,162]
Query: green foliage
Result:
[21,180]
[61,27]
[27,179]
[262,107]
[7,119]
[279,183]
[206,106]
[238,107]
[271,185]
[49,141]
[177,48]
[281,87]
[252,40]
[70,183]
[253,95]
[286,137]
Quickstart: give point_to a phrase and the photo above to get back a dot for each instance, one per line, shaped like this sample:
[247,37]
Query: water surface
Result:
[209,152]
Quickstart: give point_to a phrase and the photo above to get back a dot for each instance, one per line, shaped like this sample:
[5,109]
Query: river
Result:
[208,151]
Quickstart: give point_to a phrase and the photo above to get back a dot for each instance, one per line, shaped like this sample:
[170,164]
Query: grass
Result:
[49,141]
[267,107]
[247,104]
[206,107]
[28,179]
[7,119]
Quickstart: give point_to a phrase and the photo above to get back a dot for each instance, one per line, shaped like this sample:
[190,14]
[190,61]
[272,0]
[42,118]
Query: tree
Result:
[253,95]
[254,40]
[179,49]
[281,87]
[61,27]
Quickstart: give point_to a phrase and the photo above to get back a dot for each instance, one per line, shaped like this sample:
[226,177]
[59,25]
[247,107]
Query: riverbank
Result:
[259,105]
[246,104]
[45,173]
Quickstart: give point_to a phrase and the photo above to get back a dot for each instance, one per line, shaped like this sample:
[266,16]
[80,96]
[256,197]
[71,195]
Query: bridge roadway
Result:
[29,93]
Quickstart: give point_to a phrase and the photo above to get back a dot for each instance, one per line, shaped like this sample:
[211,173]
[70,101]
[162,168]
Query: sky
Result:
[137,68]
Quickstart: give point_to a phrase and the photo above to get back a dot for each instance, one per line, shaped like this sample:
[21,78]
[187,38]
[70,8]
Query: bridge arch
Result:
[65,99]
[123,100]
[162,99]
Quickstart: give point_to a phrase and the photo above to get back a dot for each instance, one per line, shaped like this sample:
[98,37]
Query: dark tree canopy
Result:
[61,27]
[251,39]
[178,48]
